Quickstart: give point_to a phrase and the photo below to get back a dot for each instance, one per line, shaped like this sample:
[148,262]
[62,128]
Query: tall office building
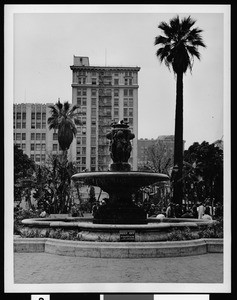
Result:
[104,94]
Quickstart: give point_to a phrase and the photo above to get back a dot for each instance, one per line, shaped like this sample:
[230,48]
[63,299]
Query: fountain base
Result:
[120,214]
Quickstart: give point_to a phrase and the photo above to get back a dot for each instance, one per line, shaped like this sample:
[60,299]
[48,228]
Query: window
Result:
[126,81]
[116,102]
[55,136]
[38,116]
[32,136]
[78,101]
[125,92]
[43,116]
[83,120]
[130,92]
[83,150]
[93,130]
[93,121]
[37,147]
[131,121]
[93,141]
[23,124]
[32,116]
[83,140]
[23,136]
[84,92]
[93,111]
[93,81]
[83,130]
[78,140]
[130,102]
[83,101]
[93,101]
[38,125]
[125,112]
[78,150]
[93,150]
[37,136]
[23,146]
[32,156]
[93,160]
[130,112]
[32,147]
[79,92]
[37,157]
[83,110]
[93,92]
[43,136]
[83,160]
[116,112]
[55,147]
[23,116]
[116,81]
[43,157]
[116,93]
[43,147]
[18,136]
[18,125]
[125,102]
[18,116]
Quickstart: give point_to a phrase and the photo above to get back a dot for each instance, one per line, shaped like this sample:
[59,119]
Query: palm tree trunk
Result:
[178,142]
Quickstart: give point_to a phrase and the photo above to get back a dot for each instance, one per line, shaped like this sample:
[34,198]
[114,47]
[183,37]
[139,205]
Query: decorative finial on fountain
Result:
[120,145]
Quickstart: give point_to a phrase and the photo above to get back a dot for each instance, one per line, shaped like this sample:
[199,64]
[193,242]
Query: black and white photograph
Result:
[117,149]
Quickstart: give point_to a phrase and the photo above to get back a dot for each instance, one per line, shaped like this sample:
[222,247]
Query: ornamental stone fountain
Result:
[119,228]
[120,182]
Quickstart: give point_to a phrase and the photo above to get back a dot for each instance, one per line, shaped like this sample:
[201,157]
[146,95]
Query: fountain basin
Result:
[120,208]
[88,231]
[120,182]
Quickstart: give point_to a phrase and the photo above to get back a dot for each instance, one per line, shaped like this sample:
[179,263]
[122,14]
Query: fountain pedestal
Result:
[120,182]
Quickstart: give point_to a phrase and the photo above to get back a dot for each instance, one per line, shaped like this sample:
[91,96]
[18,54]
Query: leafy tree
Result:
[203,172]
[177,48]
[160,159]
[53,190]
[24,168]
[64,118]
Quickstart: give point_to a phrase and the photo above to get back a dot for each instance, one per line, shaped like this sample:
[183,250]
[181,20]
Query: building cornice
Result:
[99,68]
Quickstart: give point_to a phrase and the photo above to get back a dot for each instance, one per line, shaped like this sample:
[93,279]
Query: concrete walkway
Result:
[50,268]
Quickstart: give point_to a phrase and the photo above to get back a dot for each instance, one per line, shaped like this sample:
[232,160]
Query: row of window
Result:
[38,157]
[108,92]
[105,73]
[105,81]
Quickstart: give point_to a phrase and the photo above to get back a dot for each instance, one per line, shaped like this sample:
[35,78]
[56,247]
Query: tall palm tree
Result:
[64,118]
[178,47]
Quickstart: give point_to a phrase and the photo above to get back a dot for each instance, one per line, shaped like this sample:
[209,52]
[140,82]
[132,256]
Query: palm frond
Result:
[161,40]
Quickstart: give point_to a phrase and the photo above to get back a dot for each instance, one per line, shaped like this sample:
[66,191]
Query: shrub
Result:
[21,214]
[182,235]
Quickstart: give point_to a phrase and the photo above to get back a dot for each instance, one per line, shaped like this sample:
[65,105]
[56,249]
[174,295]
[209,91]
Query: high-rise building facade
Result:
[104,95]
[31,132]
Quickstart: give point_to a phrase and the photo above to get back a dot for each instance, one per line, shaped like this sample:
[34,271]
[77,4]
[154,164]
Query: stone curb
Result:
[118,249]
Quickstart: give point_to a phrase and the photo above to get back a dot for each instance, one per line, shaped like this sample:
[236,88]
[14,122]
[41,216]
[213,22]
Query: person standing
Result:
[201,210]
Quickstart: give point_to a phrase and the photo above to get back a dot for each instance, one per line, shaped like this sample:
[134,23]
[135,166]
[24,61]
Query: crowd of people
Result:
[201,210]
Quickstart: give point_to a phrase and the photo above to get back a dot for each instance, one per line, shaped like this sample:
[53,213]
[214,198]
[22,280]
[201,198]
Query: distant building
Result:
[144,144]
[31,132]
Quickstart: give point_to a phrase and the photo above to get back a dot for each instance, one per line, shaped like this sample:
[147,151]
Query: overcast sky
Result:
[45,42]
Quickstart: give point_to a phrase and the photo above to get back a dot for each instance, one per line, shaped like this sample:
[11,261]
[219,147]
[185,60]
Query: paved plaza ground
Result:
[49,268]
